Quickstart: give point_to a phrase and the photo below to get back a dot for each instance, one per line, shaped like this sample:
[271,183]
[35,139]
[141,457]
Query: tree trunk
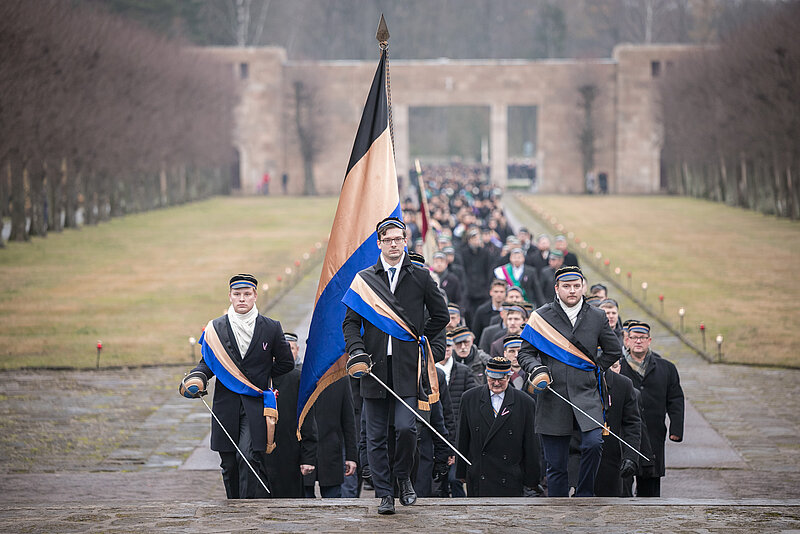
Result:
[90,202]
[72,180]
[310,187]
[36,172]
[19,231]
[55,182]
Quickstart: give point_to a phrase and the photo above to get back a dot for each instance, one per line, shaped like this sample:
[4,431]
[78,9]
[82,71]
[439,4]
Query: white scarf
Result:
[572,313]
[243,325]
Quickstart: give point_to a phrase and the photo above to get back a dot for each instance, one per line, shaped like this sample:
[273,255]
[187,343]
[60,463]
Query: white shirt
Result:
[497,402]
[447,367]
[392,285]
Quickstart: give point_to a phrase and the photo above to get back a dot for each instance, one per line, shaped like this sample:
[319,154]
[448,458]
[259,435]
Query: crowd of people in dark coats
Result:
[493,278]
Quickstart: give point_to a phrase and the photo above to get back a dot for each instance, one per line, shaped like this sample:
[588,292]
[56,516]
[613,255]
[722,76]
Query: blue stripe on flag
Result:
[325,343]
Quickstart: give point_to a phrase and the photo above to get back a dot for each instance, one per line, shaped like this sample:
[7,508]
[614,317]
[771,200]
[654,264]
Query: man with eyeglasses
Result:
[497,435]
[659,383]
[410,292]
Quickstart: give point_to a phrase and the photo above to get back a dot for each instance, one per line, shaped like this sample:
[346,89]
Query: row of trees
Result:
[731,118]
[321,29]
[101,118]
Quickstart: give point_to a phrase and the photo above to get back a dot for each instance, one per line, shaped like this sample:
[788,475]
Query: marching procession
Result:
[494,368]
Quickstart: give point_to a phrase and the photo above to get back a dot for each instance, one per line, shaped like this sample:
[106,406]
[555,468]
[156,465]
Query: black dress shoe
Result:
[386,507]
[407,494]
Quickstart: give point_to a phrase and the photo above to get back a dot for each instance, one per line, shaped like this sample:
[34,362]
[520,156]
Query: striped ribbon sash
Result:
[547,339]
[368,297]
[220,362]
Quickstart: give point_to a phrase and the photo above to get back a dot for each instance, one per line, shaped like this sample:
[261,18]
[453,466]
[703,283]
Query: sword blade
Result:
[631,447]
[232,441]
[418,416]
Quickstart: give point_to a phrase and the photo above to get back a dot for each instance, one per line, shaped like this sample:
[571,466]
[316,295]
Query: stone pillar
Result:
[498,144]
[402,157]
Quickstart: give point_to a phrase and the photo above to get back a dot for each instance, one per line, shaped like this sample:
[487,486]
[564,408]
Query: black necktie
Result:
[391,273]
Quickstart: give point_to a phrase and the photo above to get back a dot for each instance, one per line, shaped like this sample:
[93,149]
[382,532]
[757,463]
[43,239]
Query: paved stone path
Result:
[112,451]
[748,427]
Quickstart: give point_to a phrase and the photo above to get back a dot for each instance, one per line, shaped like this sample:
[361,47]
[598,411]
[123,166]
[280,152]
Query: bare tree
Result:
[307,119]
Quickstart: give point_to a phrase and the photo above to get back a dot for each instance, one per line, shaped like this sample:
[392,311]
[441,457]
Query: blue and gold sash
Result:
[547,339]
[221,364]
[369,297]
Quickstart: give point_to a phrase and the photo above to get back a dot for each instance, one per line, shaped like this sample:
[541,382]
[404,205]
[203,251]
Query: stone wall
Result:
[628,134]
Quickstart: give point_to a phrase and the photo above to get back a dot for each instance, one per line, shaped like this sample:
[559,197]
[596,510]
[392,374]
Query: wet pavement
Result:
[120,451]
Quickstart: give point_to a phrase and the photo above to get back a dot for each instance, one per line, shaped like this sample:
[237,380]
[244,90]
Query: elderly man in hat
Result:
[467,353]
[560,356]
[496,433]
[245,350]
[662,396]
[413,298]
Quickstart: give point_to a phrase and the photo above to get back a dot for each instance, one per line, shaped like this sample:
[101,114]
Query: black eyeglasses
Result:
[390,240]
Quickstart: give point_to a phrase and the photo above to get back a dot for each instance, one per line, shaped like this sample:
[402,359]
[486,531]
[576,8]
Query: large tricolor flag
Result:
[369,194]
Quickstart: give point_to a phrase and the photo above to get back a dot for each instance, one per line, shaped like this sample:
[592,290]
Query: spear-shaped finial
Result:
[383,32]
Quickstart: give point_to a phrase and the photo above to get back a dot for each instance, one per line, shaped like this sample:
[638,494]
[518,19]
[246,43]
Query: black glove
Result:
[628,468]
[193,385]
[440,471]
[359,363]
[538,379]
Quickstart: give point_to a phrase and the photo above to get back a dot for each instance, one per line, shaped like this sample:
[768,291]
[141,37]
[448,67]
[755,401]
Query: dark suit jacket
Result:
[451,285]
[416,292]
[490,335]
[546,291]
[267,356]
[283,464]
[504,450]
[553,415]
[662,396]
[534,258]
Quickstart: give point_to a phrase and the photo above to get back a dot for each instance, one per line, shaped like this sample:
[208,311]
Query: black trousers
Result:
[377,417]
[240,482]
[648,486]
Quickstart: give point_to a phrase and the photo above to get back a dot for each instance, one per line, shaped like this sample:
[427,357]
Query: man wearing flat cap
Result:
[409,291]
[560,354]
[662,396]
[496,432]
[245,350]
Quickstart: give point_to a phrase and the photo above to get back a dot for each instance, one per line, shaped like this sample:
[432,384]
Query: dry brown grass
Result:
[145,283]
[733,269]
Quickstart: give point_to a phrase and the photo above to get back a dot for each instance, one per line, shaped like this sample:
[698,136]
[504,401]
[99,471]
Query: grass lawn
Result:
[735,270]
[145,283]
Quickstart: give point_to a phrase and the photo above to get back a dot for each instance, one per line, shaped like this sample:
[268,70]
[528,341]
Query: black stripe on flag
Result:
[375,118]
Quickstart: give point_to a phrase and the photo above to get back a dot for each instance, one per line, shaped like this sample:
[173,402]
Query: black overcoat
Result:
[268,356]
[415,292]
[504,450]
[624,420]
[283,464]
[662,396]
[553,415]
[336,427]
